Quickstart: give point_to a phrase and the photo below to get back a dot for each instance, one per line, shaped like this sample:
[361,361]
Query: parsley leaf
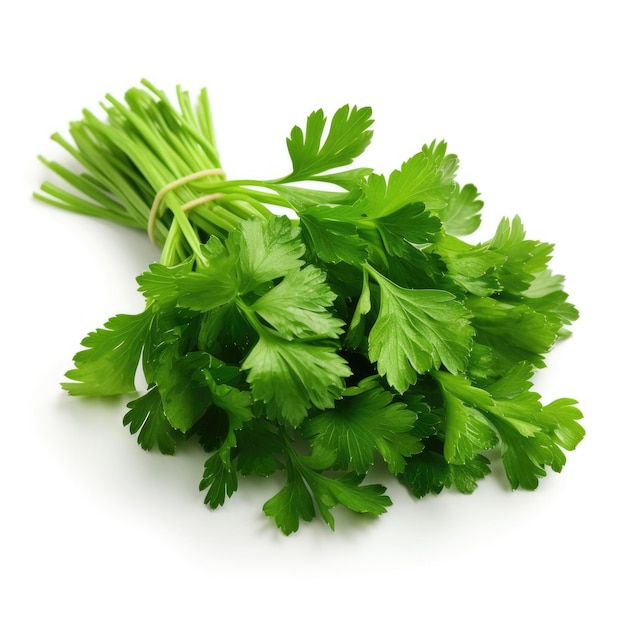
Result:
[183,387]
[159,283]
[146,416]
[465,476]
[467,431]
[410,223]
[347,137]
[426,177]
[108,365]
[531,435]
[525,258]
[362,424]
[290,377]
[471,267]
[429,473]
[306,488]
[259,447]
[461,215]
[513,331]
[417,330]
[265,251]
[297,306]
[560,419]
[356,332]
[220,473]
[331,238]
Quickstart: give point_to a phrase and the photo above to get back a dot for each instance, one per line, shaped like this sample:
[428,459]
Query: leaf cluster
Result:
[362,332]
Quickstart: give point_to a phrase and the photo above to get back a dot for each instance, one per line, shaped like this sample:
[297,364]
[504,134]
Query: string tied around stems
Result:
[179,182]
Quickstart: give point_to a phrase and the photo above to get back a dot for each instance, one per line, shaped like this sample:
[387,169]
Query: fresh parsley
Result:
[361,331]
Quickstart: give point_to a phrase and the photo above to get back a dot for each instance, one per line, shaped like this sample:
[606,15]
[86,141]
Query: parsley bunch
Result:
[363,331]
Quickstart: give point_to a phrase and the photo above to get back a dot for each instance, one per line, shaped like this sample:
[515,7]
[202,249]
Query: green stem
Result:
[169,254]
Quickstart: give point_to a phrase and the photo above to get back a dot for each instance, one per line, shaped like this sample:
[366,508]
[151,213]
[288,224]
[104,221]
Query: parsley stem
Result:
[250,315]
[244,206]
[169,254]
[243,187]
[70,202]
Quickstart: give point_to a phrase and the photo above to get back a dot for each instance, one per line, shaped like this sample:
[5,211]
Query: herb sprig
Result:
[365,328]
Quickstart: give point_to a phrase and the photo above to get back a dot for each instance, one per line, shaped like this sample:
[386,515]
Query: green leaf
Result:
[265,251]
[306,486]
[428,420]
[183,387]
[160,282]
[219,478]
[203,292]
[361,425]
[410,223]
[560,418]
[467,431]
[226,333]
[291,504]
[291,377]
[297,306]
[172,328]
[211,285]
[235,402]
[330,238]
[545,295]
[417,330]
[530,435]
[200,291]
[465,476]
[472,267]
[109,364]
[429,472]
[525,258]
[259,446]
[388,232]
[356,331]
[426,473]
[508,406]
[524,457]
[346,490]
[220,474]
[461,215]
[427,177]
[513,331]
[347,138]
[147,417]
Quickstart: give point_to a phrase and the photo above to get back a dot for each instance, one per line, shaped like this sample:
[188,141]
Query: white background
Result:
[96,531]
